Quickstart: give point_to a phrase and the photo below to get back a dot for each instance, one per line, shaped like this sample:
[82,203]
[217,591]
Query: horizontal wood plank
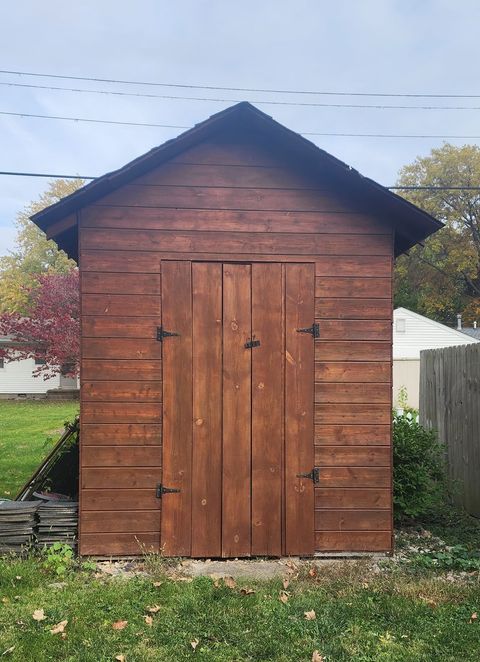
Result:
[121,412]
[116,369]
[120,499]
[121,456]
[352,520]
[338,497]
[372,414]
[353,541]
[120,283]
[354,435]
[120,327]
[354,309]
[360,288]
[118,544]
[121,391]
[114,477]
[358,266]
[106,261]
[352,456]
[353,393]
[120,348]
[125,305]
[355,477]
[340,350]
[112,434]
[117,521]
[235,242]
[221,220]
[355,329]
[353,372]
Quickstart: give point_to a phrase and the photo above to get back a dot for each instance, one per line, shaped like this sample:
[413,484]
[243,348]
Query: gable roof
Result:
[472,332]
[412,224]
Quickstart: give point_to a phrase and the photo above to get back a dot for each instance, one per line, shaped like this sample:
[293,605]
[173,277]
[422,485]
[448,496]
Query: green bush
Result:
[418,468]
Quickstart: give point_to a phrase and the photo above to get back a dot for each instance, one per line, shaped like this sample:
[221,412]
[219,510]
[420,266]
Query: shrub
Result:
[418,468]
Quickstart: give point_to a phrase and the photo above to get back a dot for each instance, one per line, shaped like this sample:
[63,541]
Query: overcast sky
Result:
[389,46]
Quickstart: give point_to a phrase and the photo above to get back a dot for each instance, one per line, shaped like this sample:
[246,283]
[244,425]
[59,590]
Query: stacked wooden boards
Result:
[233,201]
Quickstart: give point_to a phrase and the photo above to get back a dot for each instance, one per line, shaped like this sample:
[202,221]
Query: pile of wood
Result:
[17,525]
[57,522]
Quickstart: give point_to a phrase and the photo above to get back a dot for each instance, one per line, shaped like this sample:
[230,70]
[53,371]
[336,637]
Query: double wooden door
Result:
[238,380]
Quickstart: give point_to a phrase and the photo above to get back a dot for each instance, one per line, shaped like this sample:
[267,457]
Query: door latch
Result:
[252,343]
[314,330]
[161,490]
[161,333]
[313,475]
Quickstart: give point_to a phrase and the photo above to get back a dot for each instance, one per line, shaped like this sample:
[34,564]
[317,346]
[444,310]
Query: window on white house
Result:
[400,325]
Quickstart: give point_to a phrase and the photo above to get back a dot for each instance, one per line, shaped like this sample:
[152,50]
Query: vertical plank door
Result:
[177,408]
[236,503]
[299,403]
[207,410]
[267,409]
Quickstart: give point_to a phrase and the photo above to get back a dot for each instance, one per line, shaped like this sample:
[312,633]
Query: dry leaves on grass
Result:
[119,625]
[7,651]
[148,621]
[157,584]
[286,583]
[310,615]
[59,628]
[194,643]
[154,609]
[316,657]
[39,615]
[229,582]
[247,591]
[283,597]
[473,617]
[120,658]
[313,572]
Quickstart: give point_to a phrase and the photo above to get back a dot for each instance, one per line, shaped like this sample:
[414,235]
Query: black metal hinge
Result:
[161,333]
[313,475]
[314,330]
[161,490]
[252,343]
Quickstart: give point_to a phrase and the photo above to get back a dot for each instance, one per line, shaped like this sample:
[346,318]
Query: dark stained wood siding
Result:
[233,202]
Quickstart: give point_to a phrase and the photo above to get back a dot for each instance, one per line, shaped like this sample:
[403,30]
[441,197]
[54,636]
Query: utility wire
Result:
[241,89]
[260,102]
[183,126]
[391,188]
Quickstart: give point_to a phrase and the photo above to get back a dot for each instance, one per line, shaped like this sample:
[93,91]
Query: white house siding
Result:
[420,333]
[16,378]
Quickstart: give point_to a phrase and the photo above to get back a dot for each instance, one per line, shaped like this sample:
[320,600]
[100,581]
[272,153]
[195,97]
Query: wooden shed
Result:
[236,372]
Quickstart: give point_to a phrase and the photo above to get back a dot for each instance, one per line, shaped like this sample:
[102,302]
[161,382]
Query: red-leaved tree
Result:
[51,331]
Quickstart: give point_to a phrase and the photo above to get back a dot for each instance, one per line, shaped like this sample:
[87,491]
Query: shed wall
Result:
[233,201]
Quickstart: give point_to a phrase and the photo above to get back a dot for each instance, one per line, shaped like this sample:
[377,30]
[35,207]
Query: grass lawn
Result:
[28,431]
[358,616]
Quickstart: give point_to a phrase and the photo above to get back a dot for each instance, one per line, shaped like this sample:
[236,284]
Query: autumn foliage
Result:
[51,331]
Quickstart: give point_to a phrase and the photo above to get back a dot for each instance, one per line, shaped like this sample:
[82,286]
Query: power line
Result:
[14,173]
[260,102]
[183,126]
[242,89]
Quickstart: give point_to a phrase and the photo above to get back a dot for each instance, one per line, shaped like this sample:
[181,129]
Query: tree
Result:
[34,254]
[442,277]
[51,332]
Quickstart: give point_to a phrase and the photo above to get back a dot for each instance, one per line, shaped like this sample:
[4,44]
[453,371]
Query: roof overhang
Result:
[412,224]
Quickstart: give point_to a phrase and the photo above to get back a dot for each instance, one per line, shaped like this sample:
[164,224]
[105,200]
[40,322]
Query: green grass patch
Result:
[28,430]
[359,616]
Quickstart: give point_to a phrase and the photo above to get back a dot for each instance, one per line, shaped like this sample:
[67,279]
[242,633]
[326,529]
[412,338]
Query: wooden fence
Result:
[450,403]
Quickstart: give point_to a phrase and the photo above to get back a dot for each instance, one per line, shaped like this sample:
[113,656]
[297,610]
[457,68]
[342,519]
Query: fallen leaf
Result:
[120,658]
[229,582]
[247,591]
[5,600]
[184,579]
[119,625]
[18,577]
[310,615]
[154,609]
[312,572]
[157,584]
[286,583]
[217,583]
[473,617]
[59,627]
[148,620]
[283,597]
[39,615]
[316,657]
[194,643]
